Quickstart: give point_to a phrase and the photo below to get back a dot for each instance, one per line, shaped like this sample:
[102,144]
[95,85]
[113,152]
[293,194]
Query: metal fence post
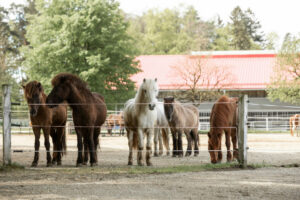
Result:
[6,103]
[242,130]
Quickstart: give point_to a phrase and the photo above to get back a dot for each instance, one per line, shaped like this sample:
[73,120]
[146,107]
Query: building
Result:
[250,71]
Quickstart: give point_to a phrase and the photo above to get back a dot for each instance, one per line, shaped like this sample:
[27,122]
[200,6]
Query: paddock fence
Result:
[251,121]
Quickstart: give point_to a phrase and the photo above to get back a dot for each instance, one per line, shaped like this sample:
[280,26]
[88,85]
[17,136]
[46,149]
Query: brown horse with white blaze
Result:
[51,121]
[223,117]
[89,112]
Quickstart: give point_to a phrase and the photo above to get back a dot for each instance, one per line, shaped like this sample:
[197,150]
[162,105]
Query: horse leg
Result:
[130,145]
[220,156]
[47,145]
[54,141]
[91,145]
[97,132]
[141,147]
[37,133]
[180,150]
[196,141]
[227,142]
[234,143]
[175,143]
[160,140]
[60,131]
[150,133]
[156,132]
[79,147]
[189,143]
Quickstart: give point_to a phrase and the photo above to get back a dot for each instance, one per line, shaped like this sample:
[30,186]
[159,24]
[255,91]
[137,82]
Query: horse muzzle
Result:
[151,106]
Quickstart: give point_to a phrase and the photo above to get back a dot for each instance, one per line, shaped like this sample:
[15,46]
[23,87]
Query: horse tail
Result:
[195,136]
[165,137]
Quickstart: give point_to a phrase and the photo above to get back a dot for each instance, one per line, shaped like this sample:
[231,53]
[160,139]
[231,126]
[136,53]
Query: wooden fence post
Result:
[242,130]
[6,103]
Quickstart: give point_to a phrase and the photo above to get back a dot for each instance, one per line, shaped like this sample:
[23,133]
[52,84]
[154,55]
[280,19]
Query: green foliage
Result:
[87,38]
[170,32]
[285,85]
[245,30]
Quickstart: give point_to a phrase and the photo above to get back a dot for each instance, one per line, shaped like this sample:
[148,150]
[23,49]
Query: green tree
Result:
[245,30]
[87,38]
[285,85]
[223,38]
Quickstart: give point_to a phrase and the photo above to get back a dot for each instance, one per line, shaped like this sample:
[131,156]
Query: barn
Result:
[250,73]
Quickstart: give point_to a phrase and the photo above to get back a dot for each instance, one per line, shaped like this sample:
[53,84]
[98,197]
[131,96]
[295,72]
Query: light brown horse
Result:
[89,112]
[115,120]
[182,119]
[294,124]
[51,121]
[223,117]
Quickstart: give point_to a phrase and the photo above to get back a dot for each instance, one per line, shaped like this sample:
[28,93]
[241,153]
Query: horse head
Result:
[214,141]
[149,90]
[33,92]
[59,93]
[169,107]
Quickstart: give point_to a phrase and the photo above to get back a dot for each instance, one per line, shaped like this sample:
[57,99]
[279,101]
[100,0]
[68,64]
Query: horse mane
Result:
[222,109]
[71,78]
[31,87]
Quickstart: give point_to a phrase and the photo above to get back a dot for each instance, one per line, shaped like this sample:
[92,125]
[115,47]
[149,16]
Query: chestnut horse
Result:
[89,112]
[115,120]
[182,119]
[294,124]
[51,121]
[223,117]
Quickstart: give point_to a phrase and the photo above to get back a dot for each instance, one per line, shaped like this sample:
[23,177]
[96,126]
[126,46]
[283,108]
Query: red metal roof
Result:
[248,71]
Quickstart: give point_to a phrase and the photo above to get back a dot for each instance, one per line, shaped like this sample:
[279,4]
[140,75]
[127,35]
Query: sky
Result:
[280,16]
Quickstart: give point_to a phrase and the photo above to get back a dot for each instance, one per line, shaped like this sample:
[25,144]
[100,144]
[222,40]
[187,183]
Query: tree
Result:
[87,38]
[203,79]
[245,30]
[285,84]
[272,39]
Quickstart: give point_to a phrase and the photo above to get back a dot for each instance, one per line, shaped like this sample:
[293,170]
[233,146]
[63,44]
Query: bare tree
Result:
[201,78]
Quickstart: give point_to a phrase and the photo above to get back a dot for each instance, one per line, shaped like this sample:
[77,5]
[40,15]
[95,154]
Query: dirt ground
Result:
[69,182]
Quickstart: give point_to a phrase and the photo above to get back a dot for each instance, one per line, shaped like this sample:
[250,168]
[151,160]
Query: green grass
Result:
[11,167]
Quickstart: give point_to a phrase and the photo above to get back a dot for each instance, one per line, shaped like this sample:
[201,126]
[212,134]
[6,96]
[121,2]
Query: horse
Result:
[115,120]
[140,117]
[182,119]
[162,131]
[294,124]
[51,121]
[88,111]
[223,117]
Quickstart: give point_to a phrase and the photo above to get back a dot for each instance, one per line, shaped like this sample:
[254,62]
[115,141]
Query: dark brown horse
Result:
[182,119]
[223,117]
[51,121]
[89,112]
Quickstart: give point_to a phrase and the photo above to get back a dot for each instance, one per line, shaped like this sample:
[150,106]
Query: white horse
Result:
[140,117]
[162,131]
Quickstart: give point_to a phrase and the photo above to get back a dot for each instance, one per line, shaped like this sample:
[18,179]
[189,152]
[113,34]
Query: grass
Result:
[11,167]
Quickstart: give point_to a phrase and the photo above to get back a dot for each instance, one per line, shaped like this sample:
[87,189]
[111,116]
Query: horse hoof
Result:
[58,163]
[149,163]
[155,154]
[180,155]
[84,163]
[79,165]
[53,162]
[140,164]
[94,164]
[34,164]
[129,162]
[196,154]
[49,164]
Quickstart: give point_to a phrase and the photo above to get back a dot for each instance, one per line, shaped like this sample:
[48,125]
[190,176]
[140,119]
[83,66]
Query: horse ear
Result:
[144,80]
[39,85]
[155,79]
